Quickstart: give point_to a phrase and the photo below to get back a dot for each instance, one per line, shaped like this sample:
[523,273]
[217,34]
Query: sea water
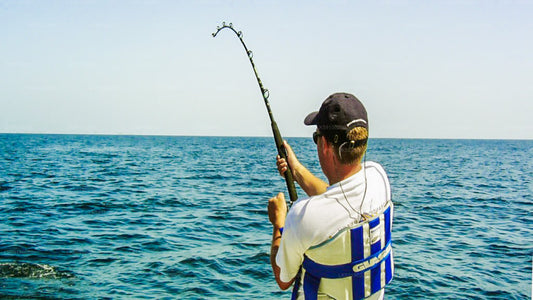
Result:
[152,217]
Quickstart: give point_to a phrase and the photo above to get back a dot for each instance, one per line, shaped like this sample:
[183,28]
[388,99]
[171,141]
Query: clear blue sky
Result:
[424,69]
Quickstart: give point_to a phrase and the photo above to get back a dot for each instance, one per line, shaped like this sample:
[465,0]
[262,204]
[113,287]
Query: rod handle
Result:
[293,195]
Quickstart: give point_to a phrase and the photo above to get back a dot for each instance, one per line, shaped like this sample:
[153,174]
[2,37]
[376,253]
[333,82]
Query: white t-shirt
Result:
[313,220]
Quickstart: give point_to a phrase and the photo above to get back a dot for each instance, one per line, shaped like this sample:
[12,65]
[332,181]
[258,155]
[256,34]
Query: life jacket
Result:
[359,256]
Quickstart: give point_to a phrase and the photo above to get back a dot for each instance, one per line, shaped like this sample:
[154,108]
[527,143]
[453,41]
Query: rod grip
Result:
[293,195]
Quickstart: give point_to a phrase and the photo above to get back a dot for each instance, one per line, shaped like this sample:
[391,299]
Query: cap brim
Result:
[311,119]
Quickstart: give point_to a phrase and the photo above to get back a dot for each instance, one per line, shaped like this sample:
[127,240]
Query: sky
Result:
[423,69]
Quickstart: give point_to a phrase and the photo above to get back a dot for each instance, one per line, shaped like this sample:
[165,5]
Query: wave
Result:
[31,270]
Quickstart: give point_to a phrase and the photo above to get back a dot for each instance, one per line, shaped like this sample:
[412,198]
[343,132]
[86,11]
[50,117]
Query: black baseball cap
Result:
[339,112]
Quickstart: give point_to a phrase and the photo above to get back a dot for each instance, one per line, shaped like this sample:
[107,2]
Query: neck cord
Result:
[362,216]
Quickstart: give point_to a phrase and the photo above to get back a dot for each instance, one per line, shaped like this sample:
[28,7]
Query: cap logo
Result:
[355,121]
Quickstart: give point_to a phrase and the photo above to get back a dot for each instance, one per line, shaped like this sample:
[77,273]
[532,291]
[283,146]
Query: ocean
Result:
[155,217]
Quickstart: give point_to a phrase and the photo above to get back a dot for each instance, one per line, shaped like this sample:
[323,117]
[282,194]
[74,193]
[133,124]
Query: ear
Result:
[324,143]
[327,148]
[333,153]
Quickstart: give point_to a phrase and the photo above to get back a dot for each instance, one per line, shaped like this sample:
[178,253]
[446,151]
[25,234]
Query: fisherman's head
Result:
[342,121]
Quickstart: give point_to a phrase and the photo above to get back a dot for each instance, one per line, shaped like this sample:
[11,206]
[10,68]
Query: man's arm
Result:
[277,211]
[311,184]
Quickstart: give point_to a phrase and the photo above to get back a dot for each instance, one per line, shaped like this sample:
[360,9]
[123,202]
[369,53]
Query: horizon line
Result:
[250,136]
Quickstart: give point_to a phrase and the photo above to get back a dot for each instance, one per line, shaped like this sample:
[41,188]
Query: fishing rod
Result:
[277,136]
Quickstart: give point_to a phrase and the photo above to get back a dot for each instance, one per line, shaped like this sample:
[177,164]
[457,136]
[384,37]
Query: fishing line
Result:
[275,131]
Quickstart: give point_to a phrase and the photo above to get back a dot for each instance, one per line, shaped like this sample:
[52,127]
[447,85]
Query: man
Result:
[336,243]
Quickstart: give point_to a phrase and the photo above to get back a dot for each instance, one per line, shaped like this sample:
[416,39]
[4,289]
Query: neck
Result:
[341,172]
[334,170]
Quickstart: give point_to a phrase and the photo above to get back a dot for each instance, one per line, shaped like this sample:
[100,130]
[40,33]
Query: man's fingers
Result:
[282,165]
[282,168]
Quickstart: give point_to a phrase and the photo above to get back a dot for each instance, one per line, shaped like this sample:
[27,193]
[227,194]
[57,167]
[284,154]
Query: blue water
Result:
[141,217]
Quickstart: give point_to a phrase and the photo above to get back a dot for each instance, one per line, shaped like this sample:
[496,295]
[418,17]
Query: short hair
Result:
[351,149]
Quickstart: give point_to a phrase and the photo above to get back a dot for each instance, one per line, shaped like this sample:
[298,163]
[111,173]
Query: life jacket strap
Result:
[345,270]
[314,272]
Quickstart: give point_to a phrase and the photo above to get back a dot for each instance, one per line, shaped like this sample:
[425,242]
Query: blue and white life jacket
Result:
[359,256]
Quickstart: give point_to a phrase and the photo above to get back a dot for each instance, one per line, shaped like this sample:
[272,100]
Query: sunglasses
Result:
[316,135]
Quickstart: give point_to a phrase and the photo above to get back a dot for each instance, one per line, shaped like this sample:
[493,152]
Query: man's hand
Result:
[291,157]
[277,210]
[311,184]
